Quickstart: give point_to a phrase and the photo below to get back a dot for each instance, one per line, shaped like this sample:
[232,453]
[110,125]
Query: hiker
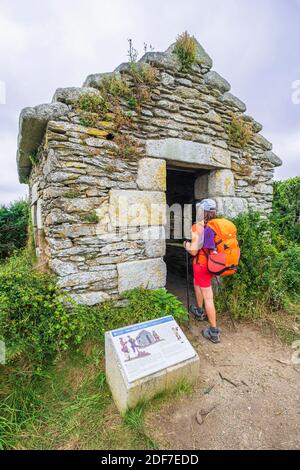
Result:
[124,349]
[133,344]
[203,240]
[155,336]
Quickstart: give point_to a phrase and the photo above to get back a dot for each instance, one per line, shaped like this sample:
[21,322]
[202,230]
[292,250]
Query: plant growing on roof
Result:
[144,74]
[186,50]
[132,53]
[144,77]
[93,103]
[121,119]
[115,86]
[240,132]
[146,47]
[132,102]
[92,108]
[127,147]
[115,91]
[88,119]
[105,107]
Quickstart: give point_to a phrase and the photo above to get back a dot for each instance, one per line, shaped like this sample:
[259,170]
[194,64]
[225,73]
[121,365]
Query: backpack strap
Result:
[197,228]
[203,250]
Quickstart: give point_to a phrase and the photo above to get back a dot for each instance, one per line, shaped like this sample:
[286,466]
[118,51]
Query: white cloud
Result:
[2,92]
[12,34]
[10,189]
[287,146]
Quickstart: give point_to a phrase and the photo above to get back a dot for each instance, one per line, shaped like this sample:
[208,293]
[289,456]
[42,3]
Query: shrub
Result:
[14,221]
[39,322]
[285,217]
[140,305]
[33,318]
[157,303]
[288,266]
[266,277]
[240,132]
[186,50]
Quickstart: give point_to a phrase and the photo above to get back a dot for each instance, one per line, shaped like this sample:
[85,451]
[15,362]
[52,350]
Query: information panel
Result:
[146,348]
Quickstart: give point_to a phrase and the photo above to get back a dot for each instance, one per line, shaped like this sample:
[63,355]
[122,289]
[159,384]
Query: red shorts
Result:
[202,277]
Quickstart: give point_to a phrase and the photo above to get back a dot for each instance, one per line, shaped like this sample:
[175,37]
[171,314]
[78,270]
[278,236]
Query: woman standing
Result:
[203,240]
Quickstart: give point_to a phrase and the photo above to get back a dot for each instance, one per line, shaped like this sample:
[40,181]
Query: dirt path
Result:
[254,396]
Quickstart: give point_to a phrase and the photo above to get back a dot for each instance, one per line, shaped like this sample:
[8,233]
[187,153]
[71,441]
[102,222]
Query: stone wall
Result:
[81,182]
[76,175]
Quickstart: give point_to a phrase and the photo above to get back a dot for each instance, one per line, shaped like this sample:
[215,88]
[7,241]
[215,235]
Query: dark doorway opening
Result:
[181,214]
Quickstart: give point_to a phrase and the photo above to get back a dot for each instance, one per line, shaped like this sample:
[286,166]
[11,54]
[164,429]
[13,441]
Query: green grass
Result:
[134,420]
[69,406]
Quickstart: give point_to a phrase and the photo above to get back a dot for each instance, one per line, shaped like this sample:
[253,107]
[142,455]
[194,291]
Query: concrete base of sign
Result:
[127,395]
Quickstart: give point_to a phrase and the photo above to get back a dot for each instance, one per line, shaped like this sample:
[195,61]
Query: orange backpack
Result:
[224,260]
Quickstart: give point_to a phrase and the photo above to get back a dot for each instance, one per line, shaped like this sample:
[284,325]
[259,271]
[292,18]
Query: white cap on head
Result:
[207,205]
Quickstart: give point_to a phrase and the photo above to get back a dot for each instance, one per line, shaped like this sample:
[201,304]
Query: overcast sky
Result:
[254,44]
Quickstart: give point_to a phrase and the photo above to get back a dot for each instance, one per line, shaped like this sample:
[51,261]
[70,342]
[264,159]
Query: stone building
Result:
[144,339]
[161,136]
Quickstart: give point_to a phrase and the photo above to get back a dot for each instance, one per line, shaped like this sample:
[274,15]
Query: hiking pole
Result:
[187,281]
[226,303]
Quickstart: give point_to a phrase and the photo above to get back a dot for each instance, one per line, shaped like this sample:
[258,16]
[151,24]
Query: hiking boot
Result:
[212,334]
[198,313]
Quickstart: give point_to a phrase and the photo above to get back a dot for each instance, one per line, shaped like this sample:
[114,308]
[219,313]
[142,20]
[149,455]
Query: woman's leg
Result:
[199,296]
[208,296]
